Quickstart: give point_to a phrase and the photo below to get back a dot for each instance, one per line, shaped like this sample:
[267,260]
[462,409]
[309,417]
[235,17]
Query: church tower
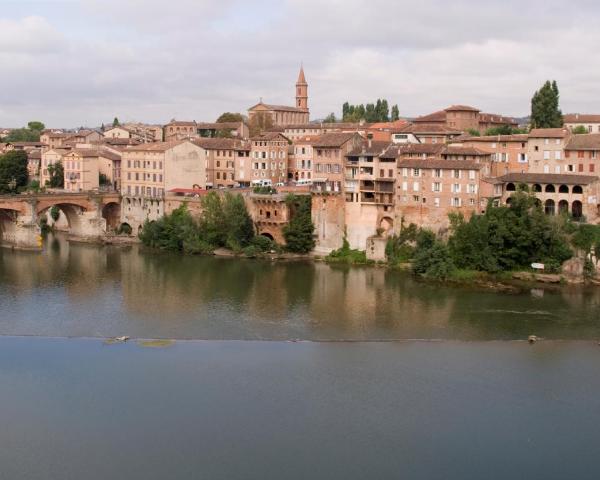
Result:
[302,91]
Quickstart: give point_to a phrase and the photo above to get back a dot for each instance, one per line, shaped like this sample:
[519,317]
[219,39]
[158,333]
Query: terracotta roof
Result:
[269,136]
[376,148]
[301,77]
[548,133]
[27,144]
[581,118]
[461,108]
[422,148]
[438,163]
[388,125]
[522,137]
[279,108]
[455,150]
[333,140]
[35,154]
[216,143]
[177,123]
[590,141]
[155,147]
[439,116]
[547,178]
[424,129]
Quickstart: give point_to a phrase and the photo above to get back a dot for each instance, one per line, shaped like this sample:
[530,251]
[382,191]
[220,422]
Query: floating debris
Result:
[156,343]
[532,339]
[114,340]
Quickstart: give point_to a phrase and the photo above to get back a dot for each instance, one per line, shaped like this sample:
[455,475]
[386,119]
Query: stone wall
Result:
[328,216]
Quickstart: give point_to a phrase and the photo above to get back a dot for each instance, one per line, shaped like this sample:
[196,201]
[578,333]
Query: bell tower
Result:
[302,91]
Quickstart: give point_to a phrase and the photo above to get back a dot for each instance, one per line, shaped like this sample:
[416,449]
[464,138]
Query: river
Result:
[289,370]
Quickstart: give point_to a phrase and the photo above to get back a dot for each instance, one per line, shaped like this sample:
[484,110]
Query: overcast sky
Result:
[82,62]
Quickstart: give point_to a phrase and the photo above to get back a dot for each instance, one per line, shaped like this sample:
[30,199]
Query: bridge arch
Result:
[111,212]
[72,212]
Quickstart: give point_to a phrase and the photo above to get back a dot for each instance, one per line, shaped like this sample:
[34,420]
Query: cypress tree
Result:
[545,111]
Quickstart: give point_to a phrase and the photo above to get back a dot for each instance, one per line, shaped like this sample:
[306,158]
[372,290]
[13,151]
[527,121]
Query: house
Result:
[508,152]
[465,118]
[582,154]
[220,158]
[589,121]
[269,158]
[545,151]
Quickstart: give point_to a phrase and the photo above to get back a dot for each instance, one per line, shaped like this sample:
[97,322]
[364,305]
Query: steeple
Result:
[302,90]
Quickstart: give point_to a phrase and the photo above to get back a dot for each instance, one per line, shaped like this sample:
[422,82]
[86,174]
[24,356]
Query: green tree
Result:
[230,117]
[212,222]
[545,110]
[239,229]
[13,171]
[330,118]
[579,130]
[395,113]
[55,213]
[116,122]
[36,126]
[473,132]
[298,233]
[56,173]
[503,130]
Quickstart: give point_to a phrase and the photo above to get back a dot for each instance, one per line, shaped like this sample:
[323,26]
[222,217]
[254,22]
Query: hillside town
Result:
[366,179]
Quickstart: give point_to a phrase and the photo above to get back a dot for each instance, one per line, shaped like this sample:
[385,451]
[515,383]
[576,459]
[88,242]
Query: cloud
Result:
[30,35]
[193,59]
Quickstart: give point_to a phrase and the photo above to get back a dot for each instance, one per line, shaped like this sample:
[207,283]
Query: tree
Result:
[55,213]
[56,173]
[103,179]
[230,117]
[395,113]
[298,233]
[260,122]
[545,111]
[473,132]
[36,126]
[503,130]
[579,130]
[371,112]
[116,122]
[13,171]
[239,229]
[330,118]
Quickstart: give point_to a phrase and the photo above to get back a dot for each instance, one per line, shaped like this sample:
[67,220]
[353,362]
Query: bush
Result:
[263,244]
[347,255]
[432,258]
[55,213]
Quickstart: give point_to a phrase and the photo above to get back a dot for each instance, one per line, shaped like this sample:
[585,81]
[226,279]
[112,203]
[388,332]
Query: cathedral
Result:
[287,115]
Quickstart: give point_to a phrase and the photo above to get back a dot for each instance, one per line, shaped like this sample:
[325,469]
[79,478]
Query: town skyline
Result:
[73,64]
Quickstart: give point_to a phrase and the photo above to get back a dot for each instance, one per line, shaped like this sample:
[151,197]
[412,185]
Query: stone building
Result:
[149,170]
[329,157]
[464,118]
[582,154]
[180,130]
[269,158]
[590,122]
[578,195]
[282,115]
[545,151]
[220,156]
[509,152]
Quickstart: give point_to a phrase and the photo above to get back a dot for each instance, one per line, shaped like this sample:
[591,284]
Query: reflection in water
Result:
[86,290]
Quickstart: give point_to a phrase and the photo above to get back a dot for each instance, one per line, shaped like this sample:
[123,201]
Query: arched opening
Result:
[125,229]
[549,207]
[510,187]
[508,201]
[70,220]
[563,207]
[577,210]
[537,187]
[563,189]
[112,214]
[268,235]
[8,225]
[578,189]
[386,225]
[550,189]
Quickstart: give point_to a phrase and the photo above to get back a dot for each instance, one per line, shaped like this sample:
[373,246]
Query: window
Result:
[472,188]
[436,187]
[415,198]
[416,186]
[557,155]
[456,188]
[455,202]
[592,167]
[436,202]
[437,173]
[456,173]
[546,154]
[472,174]
[581,167]
[405,172]
[416,172]
[405,186]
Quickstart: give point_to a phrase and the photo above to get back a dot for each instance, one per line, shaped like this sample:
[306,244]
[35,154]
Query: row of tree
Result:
[30,133]
[371,112]
[225,222]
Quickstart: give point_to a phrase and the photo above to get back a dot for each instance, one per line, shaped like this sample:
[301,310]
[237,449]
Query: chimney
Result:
[370,139]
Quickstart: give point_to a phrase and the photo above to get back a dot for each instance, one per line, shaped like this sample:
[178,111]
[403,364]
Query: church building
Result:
[287,115]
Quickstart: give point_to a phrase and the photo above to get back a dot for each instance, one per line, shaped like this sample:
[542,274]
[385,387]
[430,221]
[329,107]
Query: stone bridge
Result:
[89,215]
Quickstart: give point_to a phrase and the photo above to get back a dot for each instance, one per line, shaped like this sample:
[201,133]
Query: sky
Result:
[72,63]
